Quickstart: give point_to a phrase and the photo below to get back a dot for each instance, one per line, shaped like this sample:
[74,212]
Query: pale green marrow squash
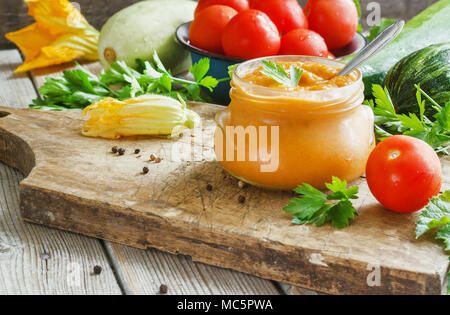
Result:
[147,26]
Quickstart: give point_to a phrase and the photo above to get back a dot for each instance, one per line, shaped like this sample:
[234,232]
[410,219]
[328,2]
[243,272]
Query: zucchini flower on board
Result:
[60,34]
[143,115]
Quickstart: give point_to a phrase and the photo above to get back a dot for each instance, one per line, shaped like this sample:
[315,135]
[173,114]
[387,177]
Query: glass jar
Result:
[282,138]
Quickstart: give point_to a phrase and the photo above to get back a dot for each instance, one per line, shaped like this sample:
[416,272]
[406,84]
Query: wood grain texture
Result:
[140,272]
[35,259]
[38,260]
[88,190]
[145,271]
[16,90]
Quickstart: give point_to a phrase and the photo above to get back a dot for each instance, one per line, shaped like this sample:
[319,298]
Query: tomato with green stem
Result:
[404,173]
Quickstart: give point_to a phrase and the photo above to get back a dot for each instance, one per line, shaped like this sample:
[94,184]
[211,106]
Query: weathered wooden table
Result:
[39,260]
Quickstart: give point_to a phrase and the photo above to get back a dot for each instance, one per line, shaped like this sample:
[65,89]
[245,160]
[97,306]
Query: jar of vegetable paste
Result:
[276,136]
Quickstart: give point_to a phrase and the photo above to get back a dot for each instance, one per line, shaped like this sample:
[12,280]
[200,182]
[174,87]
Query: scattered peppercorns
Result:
[209,187]
[163,289]
[158,160]
[241,199]
[145,170]
[152,157]
[114,150]
[121,151]
[137,151]
[97,270]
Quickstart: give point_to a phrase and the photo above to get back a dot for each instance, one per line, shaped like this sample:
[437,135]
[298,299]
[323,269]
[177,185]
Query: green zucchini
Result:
[429,67]
[432,26]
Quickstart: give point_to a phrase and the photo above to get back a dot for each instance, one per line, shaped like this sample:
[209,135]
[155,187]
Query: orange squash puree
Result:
[323,128]
[315,77]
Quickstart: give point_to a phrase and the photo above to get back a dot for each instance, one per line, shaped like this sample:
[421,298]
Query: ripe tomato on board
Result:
[403,173]
[303,42]
[250,34]
[335,20]
[286,14]
[238,5]
[207,28]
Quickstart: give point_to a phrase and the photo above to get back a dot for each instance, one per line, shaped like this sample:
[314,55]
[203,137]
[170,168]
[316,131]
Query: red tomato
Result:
[335,20]
[403,173]
[303,42]
[207,28]
[251,34]
[286,14]
[238,5]
[331,56]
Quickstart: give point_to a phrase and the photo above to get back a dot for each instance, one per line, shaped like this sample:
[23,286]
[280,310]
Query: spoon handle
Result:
[376,45]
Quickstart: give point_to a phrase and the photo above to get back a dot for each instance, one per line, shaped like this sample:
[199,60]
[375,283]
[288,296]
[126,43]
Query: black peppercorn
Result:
[114,150]
[241,199]
[97,270]
[137,151]
[209,187]
[163,289]
[145,170]
[121,151]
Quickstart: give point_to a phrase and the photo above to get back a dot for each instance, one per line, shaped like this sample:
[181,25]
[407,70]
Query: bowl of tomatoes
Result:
[232,31]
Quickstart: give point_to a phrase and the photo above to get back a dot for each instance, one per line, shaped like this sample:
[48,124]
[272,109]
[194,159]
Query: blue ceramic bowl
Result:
[219,64]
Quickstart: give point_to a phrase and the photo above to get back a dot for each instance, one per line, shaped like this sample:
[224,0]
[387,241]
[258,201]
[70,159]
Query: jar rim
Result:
[289,93]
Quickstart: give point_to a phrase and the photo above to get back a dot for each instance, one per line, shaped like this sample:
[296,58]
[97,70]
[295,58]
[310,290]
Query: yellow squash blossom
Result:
[143,115]
[60,34]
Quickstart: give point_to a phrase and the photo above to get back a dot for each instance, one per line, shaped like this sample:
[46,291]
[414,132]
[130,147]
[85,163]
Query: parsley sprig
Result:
[278,73]
[436,216]
[387,122]
[316,207]
[79,88]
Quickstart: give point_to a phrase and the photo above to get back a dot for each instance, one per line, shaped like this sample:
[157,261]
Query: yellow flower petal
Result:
[60,34]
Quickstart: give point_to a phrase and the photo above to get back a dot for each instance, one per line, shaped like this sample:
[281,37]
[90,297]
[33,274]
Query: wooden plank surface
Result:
[171,210]
[35,259]
[142,272]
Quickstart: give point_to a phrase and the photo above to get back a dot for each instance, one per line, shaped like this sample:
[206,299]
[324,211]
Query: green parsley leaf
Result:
[436,133]
[278,73]
[316,207]
[231,69]
[383,99]
[79,88]
[448,281]
[200,69]
[443,234]
[436,214]
[358,8]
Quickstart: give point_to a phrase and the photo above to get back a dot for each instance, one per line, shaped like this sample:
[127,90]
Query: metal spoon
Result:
[375,46]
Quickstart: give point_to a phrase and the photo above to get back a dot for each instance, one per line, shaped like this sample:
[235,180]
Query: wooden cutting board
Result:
[75,183]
